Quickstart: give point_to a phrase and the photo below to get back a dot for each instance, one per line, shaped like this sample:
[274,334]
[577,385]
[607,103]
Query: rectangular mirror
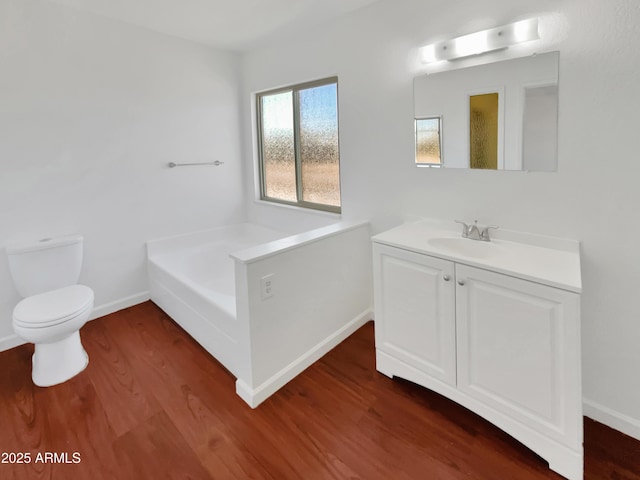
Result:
[497,116]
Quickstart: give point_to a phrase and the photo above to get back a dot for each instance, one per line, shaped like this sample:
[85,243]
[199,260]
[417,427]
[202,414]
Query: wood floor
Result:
[152,404]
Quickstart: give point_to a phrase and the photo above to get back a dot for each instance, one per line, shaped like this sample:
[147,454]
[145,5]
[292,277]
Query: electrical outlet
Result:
[266,286]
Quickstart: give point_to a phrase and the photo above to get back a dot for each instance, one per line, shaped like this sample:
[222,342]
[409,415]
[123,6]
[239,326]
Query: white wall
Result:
[91,112]
[593,197]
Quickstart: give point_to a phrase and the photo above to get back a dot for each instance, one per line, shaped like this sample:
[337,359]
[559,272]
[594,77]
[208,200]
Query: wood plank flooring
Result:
[152,404]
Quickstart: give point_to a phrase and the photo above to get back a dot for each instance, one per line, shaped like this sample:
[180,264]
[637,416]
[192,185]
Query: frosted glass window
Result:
[319,155]
[298,145]
[278,152]
[428,142]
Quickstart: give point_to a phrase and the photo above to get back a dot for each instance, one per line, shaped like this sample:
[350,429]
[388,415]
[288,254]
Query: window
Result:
[298,145]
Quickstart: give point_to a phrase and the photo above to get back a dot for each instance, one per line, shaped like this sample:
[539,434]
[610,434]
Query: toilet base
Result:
[59,361]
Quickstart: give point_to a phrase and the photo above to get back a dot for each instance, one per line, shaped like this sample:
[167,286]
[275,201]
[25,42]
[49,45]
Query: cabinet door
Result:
[415,308]
[519,350]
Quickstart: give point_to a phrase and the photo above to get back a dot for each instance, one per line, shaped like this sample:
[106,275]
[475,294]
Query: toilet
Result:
[54,307]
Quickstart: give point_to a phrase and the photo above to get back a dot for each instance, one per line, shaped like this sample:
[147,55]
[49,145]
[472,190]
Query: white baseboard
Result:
[611,418]
[117,305]
[256,396]
[12,341]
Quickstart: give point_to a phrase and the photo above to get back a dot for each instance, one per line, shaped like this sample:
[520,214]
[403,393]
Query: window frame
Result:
[295,89]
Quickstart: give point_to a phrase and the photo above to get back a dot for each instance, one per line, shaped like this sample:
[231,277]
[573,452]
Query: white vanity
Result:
[494,326]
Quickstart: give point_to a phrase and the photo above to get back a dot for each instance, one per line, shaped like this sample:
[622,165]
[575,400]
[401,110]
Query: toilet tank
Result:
[47,264]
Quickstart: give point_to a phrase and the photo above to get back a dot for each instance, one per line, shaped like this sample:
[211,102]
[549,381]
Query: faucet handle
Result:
[465,227]
[484,233]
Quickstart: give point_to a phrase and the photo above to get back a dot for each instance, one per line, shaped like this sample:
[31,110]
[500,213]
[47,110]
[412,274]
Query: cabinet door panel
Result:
[415,310]
[517,348]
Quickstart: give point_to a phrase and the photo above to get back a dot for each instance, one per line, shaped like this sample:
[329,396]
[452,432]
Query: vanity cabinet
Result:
[415,313]
[505,347]
[518,350]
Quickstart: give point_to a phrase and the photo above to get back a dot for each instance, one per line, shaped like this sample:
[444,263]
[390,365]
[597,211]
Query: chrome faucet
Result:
[475,232]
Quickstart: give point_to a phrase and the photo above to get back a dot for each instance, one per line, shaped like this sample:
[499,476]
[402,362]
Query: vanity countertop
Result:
[547,260]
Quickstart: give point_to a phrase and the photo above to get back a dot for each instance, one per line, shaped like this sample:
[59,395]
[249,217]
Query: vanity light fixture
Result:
[482,42]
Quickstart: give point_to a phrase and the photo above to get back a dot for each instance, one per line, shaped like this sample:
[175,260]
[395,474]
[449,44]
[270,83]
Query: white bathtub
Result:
[211,283]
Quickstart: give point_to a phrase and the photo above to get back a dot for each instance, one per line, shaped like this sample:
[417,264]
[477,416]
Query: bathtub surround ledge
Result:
[276,247]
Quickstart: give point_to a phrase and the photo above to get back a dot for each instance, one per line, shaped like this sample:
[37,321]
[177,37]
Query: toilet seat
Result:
[54,307]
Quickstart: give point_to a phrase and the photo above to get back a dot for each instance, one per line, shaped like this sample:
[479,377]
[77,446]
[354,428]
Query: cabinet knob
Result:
[446,278]
[461,282]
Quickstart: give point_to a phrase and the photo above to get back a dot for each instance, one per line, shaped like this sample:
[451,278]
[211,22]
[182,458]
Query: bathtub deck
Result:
[152,404]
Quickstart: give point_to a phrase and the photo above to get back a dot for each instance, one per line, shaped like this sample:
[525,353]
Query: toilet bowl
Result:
[54,307]
[52,322]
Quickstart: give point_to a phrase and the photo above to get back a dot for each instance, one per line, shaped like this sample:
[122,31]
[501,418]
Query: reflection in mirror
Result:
[540,123]
[517,132]
[483,131]
[428,151]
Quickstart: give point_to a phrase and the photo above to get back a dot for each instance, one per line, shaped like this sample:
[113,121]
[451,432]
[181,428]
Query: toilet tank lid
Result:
[42,244]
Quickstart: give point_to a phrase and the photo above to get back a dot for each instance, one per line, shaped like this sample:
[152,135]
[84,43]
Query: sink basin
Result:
[466,247]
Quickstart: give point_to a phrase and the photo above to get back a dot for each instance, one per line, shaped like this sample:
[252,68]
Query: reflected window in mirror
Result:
[428,134]
[483,131]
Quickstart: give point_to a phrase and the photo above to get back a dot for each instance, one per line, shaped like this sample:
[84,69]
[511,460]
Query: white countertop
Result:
[547,260]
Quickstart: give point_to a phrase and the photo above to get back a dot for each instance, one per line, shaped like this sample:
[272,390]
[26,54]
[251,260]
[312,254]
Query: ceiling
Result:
[227,24]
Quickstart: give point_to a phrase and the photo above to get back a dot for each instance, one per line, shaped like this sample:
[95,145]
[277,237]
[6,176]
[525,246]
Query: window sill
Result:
[295,208]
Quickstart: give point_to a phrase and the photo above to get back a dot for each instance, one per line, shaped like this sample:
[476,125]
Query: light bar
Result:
[482,42]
